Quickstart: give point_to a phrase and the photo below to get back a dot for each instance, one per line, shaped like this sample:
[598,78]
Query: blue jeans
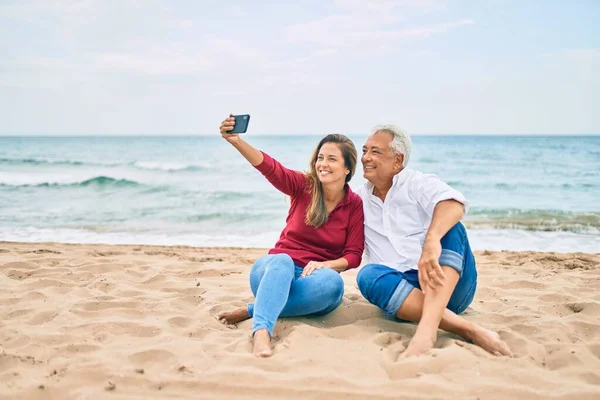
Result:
[388,288]
[281,292]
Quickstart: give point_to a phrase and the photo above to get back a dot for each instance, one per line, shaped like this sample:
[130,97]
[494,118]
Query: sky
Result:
[128,67]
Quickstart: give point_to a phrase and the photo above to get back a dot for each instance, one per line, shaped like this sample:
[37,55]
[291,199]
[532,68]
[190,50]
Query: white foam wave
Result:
[521,240]
[167,166]
[51,179]
[493,239]
[24,179]
[37,235]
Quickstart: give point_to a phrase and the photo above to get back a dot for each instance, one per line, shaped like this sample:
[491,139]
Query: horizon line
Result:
[65,135]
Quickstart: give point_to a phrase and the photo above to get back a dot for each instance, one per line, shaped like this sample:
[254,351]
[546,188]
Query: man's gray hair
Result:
[400,143]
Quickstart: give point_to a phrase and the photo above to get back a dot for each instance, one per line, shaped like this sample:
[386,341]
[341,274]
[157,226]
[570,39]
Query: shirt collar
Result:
[347,197]
[398,179]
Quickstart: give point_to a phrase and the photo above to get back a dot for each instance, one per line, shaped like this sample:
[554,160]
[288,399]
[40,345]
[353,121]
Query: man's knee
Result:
[373,279]
[455,248]
[366,278]
[456,238]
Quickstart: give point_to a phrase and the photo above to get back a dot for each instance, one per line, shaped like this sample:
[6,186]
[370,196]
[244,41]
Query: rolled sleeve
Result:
[430,190]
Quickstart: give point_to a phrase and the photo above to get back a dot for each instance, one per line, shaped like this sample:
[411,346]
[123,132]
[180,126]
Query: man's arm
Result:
[446,214]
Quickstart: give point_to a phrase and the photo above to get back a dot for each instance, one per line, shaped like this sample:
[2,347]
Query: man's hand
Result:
[312,266]
[431,275]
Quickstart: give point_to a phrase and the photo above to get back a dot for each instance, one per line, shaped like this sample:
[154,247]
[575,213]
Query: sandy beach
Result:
[100,321]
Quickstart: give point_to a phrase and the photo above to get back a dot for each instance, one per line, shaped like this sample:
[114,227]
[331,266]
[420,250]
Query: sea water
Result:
[526,192]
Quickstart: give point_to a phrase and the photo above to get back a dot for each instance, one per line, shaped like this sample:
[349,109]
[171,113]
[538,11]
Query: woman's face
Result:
[330,166]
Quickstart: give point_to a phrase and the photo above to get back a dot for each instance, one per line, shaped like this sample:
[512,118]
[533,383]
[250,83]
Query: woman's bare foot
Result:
[489,341]
[233,317]
[262,343]
[419,344]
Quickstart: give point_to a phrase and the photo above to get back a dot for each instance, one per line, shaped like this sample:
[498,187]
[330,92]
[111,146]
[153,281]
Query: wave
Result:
[144,165]
[167,166]
[104,181]
[230,217]
[97,181]
[512,186]
[535,220]
[41,161]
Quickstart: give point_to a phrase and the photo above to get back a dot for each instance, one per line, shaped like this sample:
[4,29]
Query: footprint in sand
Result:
[13,340]
[42,317]
[151,356]
[391,345]
[179,322]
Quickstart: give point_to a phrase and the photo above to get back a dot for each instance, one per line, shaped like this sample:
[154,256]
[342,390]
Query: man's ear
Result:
[399,161]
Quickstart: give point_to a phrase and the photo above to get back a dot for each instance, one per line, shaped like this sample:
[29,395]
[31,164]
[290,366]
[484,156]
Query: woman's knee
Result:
[330,290]
[272,262]
[337,287]
[332,284]
[281,259]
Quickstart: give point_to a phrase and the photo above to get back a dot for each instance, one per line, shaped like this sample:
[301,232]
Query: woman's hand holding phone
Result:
[254,156]
[227,126]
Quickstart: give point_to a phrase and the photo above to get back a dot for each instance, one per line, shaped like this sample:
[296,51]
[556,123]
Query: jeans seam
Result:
[461,307]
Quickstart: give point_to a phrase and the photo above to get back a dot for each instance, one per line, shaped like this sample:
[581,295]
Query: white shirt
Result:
[395,229]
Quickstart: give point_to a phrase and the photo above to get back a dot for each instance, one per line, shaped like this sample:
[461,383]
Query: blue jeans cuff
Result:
[452,259]
[400,294]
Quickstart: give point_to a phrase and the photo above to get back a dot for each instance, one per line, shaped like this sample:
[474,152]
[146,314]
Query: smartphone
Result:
[241,123]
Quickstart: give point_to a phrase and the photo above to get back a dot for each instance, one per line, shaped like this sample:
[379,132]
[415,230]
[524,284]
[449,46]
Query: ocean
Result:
[526,192]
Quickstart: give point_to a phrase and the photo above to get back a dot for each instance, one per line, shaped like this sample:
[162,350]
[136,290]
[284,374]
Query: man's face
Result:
[379,162]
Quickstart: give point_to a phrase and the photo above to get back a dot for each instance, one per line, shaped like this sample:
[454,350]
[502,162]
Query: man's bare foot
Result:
[419,344]
[262,343]
[489,341]
[233,317]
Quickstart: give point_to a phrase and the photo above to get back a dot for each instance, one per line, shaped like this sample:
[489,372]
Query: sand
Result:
[99,321]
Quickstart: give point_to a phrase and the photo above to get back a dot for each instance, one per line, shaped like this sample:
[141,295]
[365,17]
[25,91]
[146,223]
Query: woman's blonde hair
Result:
[316,213]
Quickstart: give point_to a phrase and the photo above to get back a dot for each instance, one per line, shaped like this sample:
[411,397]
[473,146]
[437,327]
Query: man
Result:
[420,266]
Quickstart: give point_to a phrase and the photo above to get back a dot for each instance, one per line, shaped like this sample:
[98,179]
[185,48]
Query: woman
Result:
[323,236]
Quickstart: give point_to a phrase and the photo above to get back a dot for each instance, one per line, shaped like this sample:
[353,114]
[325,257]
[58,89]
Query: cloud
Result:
[376,22]
[352,29]
[235,10]
[574,64]
[26,10]
[209,53]
[386,5]
[94,36]
[186,24]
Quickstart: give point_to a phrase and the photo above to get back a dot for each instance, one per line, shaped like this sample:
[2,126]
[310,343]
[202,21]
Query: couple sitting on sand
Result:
[420,266]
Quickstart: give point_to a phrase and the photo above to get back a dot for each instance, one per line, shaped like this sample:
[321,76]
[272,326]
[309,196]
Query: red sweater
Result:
[341,236]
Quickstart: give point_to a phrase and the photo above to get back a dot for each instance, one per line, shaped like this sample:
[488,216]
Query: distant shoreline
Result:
[188,135]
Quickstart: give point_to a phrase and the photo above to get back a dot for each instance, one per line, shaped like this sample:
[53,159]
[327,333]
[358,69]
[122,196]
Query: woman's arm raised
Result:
[254,156]
[283,179]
